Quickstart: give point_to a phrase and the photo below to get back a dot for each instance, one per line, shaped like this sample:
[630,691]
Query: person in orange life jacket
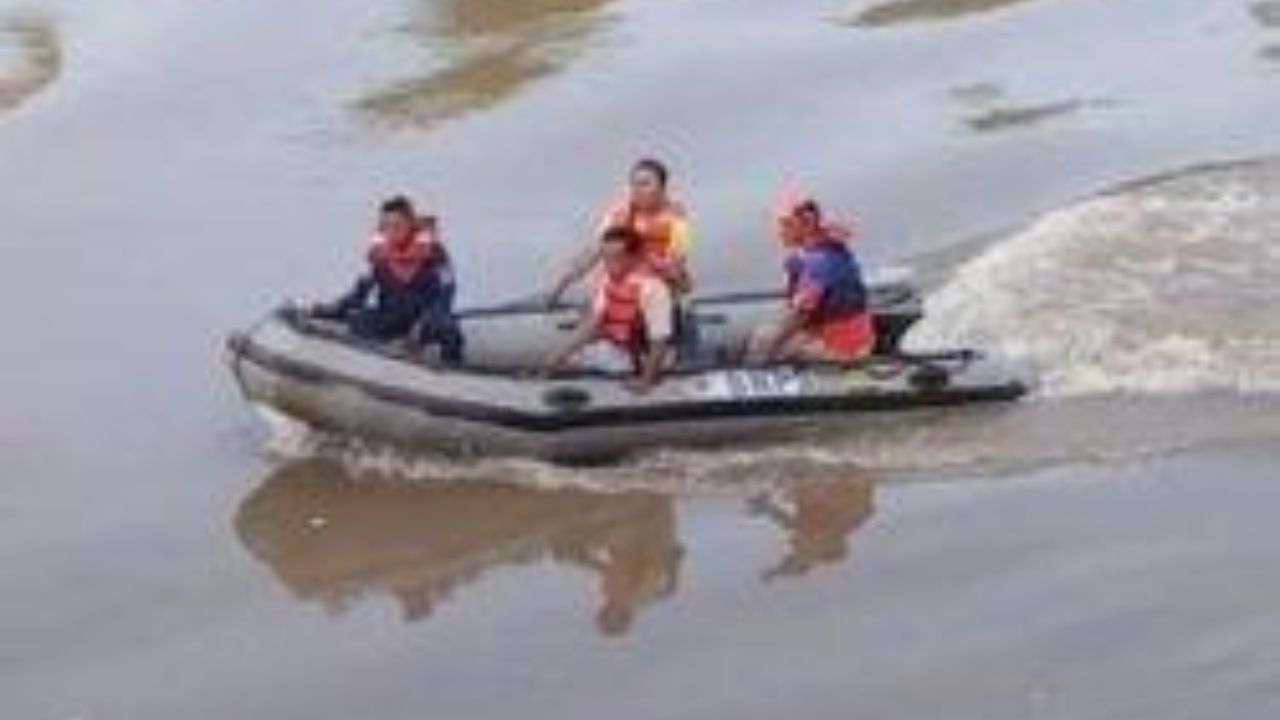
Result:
[408,289]
[631,323]
[662,223]
[827,317]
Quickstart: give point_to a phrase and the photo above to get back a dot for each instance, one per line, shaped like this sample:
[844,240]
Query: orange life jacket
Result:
[660,231]
[403,262]
[620,317]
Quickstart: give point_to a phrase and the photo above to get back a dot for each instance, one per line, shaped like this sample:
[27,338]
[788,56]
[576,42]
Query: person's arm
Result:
[354,299]
[791,326]
[438,323]
[436,298]
[682,243]
[679,277]
[582,337]
[578,268]
[801,308]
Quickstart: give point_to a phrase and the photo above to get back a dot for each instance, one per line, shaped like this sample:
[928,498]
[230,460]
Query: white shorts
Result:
[606,357]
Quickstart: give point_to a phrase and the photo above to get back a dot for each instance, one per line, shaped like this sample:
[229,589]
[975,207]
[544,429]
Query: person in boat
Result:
[408,289]
[630,326]
[649,210]
[827,316]
[791,231]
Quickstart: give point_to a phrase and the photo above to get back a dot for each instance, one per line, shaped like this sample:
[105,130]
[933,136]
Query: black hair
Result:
[630,239]
[399,205]
[809,207]
[654,166]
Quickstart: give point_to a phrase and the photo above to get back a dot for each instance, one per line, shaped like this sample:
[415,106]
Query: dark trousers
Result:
[435,326]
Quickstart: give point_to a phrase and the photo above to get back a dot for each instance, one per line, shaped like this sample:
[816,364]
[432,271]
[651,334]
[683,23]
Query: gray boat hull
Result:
[314,373]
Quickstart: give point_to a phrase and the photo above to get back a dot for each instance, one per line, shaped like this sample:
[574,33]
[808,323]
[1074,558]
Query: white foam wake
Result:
[1168,287]
[287,438]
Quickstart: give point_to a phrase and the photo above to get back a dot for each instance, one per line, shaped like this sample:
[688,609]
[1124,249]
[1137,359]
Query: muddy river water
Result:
[1088,185]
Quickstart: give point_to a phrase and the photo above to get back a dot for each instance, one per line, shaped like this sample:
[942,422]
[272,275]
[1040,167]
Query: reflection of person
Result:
[638,564]
[417,602]
[821,518]
[335,539]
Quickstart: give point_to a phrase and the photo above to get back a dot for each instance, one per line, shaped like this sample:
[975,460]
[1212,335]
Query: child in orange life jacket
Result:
[630,326]
[661,222]
[408,289]
[827,317]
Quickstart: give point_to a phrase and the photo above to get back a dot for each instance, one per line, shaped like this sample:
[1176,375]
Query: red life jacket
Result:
[403,262]
[620,317]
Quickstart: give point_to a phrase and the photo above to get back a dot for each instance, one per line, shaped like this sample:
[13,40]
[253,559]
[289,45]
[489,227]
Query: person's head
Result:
[620,250]
[800,223]
[398,220]
[648,183]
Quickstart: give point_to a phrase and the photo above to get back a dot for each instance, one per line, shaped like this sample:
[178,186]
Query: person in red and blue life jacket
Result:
[407,292]
[827,317]
[631,325]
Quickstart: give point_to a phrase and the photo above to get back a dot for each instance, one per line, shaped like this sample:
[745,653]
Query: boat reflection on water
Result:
[332,537]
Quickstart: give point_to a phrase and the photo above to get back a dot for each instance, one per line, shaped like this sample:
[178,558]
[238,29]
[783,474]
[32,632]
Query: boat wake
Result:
[1166,287]
[919,446]
[679,473]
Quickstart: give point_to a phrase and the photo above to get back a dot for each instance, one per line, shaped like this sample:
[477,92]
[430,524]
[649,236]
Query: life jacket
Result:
[793,266]
[620,316]
[830,270]
[403,263]
[665,233]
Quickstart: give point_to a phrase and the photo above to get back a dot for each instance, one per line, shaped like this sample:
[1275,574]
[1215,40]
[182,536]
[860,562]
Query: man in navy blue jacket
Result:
[408,289]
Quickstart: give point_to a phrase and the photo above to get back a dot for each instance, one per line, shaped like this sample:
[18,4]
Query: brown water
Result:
[36,63]
[495,50]
[907,11]
[168,169]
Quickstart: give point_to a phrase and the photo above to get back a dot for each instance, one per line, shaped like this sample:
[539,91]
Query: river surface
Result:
[1089,186]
